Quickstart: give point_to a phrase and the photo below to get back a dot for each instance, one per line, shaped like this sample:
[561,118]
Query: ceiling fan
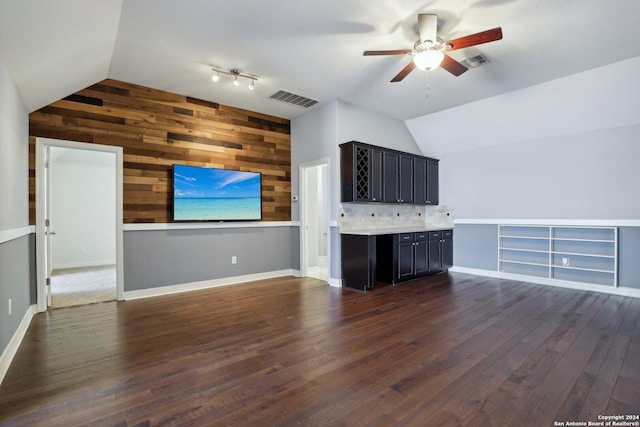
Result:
[430,51]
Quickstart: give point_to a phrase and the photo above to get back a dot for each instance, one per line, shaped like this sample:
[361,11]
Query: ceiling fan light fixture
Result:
[216,77]
[251,85]
[428,60]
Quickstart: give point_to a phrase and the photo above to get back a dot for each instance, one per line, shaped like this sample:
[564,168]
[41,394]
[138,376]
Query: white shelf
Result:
[523,263]
[524,250]
[582,254]
[563,253]
[567,267]
[524,237]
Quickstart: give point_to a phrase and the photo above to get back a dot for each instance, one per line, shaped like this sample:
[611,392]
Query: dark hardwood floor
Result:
[452,349]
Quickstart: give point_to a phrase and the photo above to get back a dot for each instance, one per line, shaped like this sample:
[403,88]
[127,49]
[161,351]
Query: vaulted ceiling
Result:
[311,48]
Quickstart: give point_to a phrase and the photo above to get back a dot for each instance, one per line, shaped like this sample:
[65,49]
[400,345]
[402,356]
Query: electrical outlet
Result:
[234,259]
[10,308]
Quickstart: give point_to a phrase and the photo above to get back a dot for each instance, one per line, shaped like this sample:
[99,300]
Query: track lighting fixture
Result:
[236,75]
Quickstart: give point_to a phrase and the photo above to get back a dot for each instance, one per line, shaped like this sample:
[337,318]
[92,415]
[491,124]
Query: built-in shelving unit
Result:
[563,253]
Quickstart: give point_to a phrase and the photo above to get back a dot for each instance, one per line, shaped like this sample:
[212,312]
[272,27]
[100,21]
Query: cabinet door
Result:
[376,175]
[435,264]
[421,250]
[390,177]
[446,248]
[405,260]
[347,186]
[362,171]
[358,261]
[432,182]
[405,179]
[419,181]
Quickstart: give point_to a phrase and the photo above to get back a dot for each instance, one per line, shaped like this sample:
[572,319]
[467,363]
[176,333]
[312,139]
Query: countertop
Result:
[382,231]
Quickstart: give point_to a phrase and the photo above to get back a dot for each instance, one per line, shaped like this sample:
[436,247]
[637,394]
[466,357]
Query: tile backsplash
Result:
[375,216]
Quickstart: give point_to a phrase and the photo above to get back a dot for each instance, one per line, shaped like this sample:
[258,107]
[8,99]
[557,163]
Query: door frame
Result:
[41,144]
[325,161]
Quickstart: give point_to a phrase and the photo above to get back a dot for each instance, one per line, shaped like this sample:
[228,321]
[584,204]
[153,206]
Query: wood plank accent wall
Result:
[157,129]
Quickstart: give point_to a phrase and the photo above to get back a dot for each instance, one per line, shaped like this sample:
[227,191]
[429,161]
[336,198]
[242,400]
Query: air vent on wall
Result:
[475,61]
[294,99]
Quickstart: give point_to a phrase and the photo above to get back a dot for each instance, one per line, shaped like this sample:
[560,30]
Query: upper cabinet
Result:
[425,181]
[376,174]
[361,173]
[397,172]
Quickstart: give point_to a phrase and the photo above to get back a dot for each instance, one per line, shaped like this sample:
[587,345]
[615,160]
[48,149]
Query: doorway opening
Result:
[314,216]
[78,223]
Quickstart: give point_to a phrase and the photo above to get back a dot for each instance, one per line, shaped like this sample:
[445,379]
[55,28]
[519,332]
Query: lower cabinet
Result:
[440,250]
[406,256]
[358,261]
[411,255]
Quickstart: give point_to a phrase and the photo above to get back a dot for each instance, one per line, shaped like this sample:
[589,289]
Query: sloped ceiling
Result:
[55,47]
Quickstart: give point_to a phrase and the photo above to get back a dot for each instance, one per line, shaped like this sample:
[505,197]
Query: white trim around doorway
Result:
[325,161]
[41,144]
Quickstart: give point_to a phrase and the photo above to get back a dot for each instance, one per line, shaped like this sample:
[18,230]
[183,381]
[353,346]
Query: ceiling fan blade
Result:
[474,39]
[404,73]
[427,27]
[452,66]
[386,52]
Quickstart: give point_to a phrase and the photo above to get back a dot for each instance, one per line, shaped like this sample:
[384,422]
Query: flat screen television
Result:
[211,194]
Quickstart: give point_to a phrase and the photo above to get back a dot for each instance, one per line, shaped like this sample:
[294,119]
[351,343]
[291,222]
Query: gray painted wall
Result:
[589,175]
[476,246]
[171,257]
[15,284]
[629,257]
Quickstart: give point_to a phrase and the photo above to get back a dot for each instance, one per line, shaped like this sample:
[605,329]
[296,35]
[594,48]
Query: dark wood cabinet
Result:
[397,172]
[402,257]
[358,261]
[405,179]
[375,174]
[391,169]
[433,192]
[440,250]
[360,173]
[421,251]
[425,181]
[419,181]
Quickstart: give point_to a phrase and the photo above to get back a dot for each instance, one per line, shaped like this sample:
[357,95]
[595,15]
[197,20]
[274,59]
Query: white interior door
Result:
[314,211]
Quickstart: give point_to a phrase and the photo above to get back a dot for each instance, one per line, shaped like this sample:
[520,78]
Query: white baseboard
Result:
[621,291]
[14,343]
[206,284]
[336,283]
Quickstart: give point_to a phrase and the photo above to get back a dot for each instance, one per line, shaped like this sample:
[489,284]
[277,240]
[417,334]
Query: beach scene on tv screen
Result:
[209,194]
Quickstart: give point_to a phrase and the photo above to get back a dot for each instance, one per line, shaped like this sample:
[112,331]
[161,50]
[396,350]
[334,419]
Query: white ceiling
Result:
[53,48]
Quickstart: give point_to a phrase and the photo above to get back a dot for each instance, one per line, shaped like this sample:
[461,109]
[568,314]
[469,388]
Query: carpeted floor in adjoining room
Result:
[86,285]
